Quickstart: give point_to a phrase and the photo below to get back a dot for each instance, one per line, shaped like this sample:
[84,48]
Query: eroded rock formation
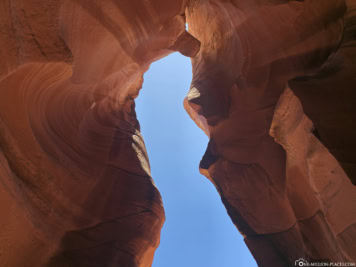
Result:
[76,185]
[76,188]
[281,187]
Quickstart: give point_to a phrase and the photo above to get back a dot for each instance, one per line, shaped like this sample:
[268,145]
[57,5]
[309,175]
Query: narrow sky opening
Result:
[198,231]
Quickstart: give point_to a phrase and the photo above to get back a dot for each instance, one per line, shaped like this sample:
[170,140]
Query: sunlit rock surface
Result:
[76,188]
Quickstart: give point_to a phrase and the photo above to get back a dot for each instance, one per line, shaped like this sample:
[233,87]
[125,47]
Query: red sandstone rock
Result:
[76,188]
[75,176]
[284,199]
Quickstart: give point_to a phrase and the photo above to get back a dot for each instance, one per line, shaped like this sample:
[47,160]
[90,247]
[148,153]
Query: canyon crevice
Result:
[273,88]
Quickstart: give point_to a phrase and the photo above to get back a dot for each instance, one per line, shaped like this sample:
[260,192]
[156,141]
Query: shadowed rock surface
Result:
[284,191]
[76,188]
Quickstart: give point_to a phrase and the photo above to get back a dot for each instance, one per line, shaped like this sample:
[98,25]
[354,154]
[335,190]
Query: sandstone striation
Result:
[284,191]
[76,188]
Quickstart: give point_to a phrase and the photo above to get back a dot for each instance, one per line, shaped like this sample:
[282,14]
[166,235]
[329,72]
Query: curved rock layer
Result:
[76,188]
[284,191]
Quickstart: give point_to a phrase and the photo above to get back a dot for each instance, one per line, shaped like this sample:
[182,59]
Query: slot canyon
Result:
[273,88]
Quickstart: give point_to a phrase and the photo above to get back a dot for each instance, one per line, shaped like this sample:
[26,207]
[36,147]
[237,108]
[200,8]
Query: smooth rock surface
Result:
[283,190]
[76,188]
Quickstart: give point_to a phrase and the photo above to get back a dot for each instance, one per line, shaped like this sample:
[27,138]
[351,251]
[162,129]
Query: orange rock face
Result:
[284,191]
[76,188]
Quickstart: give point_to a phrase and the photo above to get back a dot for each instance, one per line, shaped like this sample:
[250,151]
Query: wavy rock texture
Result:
[284,191]
[76,188]
[76,183]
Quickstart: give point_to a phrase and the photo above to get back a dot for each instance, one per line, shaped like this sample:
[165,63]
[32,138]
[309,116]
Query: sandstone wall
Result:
[282,188]
[76,188]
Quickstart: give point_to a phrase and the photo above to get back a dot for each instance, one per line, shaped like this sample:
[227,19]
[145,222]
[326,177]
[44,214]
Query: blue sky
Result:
[198,231]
